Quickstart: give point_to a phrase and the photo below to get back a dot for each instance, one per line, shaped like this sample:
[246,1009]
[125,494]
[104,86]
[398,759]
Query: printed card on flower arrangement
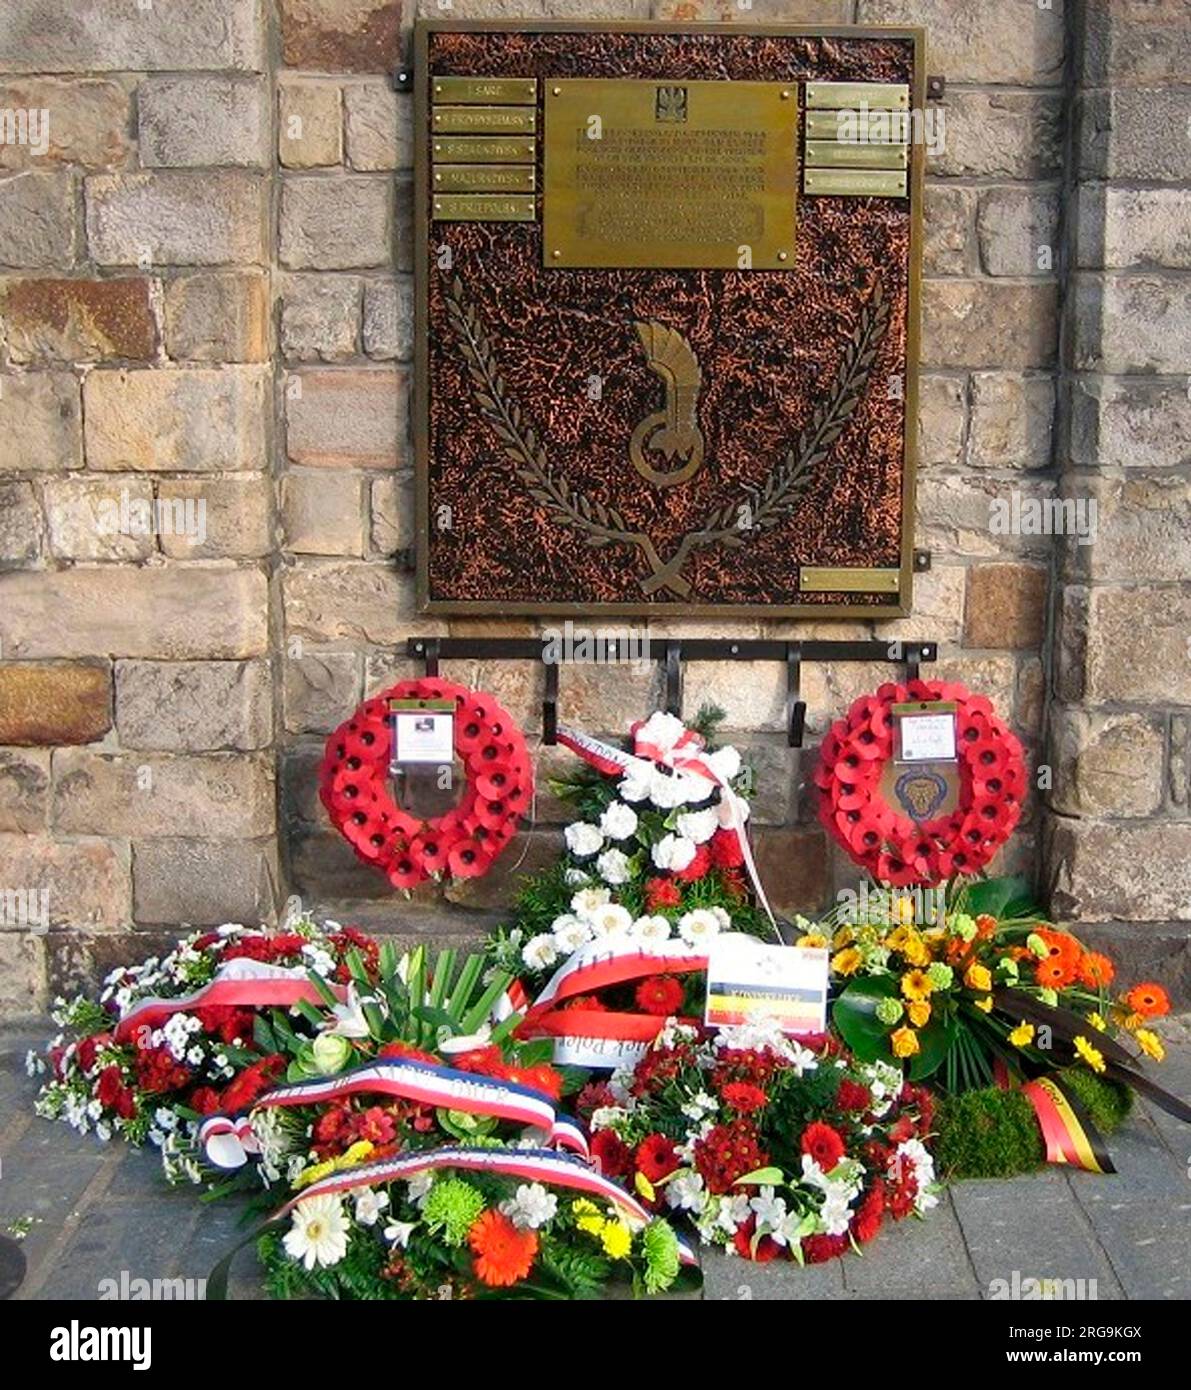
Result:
[749,981]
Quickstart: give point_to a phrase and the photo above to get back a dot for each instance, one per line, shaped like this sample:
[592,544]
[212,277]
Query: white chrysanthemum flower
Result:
[661,731]
[540,952]
[609,1116]
[369,1205]
[583,840]
[589,900]
[672,853]
[613,867]
[319,1232]
[698,926]
[651,928]
[611,920]
[619,821]
[570,932]
[699,826]
[530,1207]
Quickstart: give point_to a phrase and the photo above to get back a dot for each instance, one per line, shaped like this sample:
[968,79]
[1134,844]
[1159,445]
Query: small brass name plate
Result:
[844,580]
[874,95]
[482,149]
[482,207]
[855,183]
[832,154]
[679,174]
[484,178]
[869,127]
[495,120]
[486,91]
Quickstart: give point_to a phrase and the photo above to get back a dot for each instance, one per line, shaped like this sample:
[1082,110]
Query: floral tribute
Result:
[771,1148]
[463,843]
[894,848]
[656,855]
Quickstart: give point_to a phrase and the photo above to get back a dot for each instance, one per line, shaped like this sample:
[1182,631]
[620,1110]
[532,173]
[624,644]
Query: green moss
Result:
[987,1134]
[1108,1103]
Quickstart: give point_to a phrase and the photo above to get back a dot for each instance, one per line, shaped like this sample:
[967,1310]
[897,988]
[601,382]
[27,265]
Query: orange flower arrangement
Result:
[503,1254]
[1149,1000]
[1095,970]
[1056,972]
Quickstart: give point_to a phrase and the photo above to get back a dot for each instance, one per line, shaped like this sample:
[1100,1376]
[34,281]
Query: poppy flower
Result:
[467,859]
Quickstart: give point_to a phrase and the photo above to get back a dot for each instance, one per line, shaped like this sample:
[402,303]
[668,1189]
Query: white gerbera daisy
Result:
[698,926]
[569,932]
[540,952]
[589,900]
[319,1233]
[611,920]
[651,928]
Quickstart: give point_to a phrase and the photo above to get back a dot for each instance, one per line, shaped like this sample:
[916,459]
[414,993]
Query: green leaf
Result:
[934,1042]
[325,992]
[855,1015]
[309,1012]
[1005,898]
[762,1177]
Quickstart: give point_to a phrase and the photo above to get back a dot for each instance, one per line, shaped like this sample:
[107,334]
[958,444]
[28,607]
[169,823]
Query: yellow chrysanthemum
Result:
[984,1005]
[1150,1043]
[582,1207]
[1090,1055]
[593,1225]
[355,1153]
[847,962]
[617,1240]
[815,940]
[916,985]
[919,1013]
[319,1171]
[1097,1022]
[1022,1035]
[978,976]
[904,1042]
[844,936]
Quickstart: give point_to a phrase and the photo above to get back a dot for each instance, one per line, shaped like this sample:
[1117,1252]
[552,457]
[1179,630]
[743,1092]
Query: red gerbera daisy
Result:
[612,1155]
[655,1157]
[744,1098]
[823,1144]
[661,995]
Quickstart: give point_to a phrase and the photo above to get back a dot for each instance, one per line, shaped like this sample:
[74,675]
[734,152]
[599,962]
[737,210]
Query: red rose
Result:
[661,892]
[823,1144]
[725,851]
[612,1155]
[655,1157]
[697,868]
[744,1098]
[767,1248]
[661,995]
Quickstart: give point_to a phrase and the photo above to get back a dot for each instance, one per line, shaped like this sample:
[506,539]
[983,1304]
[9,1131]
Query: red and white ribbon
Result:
[244,983]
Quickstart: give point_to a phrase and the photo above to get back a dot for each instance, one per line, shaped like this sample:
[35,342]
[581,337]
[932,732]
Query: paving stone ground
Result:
[96,1211]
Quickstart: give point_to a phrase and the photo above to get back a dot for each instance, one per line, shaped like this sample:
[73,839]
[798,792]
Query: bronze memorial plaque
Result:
[667,300]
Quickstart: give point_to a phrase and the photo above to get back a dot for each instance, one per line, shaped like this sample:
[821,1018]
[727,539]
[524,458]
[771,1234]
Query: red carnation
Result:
[594,1096]
[697,868]
[86,1050]
[867,1221]
[743,1097]
[661,995]
[767,1248]
[661,892]
[725,850]
[204,1099]
[612,1155]
[853,1096]
[587,1003]
[655,1157]
[823,1144]
[817,1250]
[252,1082]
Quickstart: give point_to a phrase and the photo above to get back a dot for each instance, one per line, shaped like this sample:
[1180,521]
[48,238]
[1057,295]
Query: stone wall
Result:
[205,296]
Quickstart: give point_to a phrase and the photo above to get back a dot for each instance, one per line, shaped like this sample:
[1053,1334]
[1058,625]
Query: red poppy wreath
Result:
[353,786]
[895,848]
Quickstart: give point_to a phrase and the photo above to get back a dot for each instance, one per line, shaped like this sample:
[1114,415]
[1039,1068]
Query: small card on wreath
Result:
[751,982]
[423,731]
[924,731]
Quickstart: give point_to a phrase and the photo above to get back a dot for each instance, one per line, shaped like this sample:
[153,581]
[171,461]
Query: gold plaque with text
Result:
[682,174]
[483,178]
[487,91]
[482,207]
[491,120]
[483,149]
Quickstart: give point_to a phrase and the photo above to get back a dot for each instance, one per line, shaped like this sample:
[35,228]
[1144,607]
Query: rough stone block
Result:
[87,879]
[175,217]
[1134,41]
[204,883]
[216,518]
[330,601]
[194,706]
[321,691]
[336,223]
[22,525]
[320,317]
[41,704]
[23,988]
[310,133]
[1131,323]
[41,422]
[187,121]
[1018,231]
[218,316]
[392,513]
[1102,871]
[984,516]
[1135,133]
[1006,606]
[988,323]
[1106,765]
[751,694]
[37,221]
[24,789]
[793,867]
[188,419]
[87,123]
[949,242]
[942,419]
[1143,531]
[1015,135]
[1012,420]
[938,608]
[389,319]
[343,35]
[355,418]
[104,518]
[1127,228]
[1134,423]
[323,513]
[379,126]
[213,796]
[52,320]
[174,612]
[1137,648]
[114,36]
[1017,45]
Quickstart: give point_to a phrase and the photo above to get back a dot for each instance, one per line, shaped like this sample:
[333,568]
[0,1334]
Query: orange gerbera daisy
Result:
[1095,971]
[1149,1000]
[503,1253]
[1063,947]
[1055,972]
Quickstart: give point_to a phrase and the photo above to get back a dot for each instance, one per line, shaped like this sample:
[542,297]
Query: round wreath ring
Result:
[407,849]
[893,847]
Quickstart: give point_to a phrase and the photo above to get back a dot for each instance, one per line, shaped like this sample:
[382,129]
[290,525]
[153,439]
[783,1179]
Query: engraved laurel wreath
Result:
[602,525]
